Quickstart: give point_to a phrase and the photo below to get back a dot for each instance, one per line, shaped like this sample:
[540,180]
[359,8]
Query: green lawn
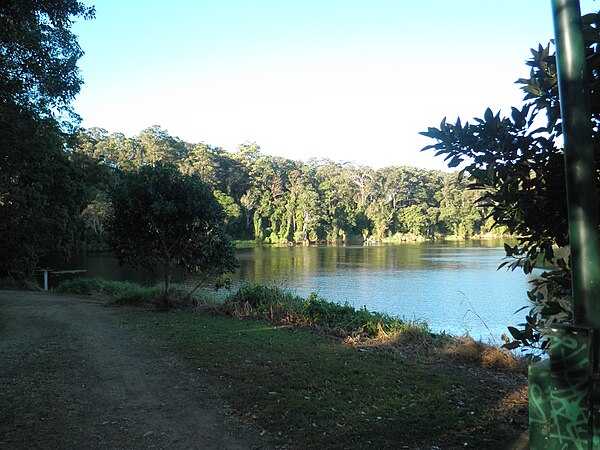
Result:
[315,391]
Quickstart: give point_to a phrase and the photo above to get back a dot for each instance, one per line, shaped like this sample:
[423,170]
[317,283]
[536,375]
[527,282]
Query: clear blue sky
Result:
[341,79]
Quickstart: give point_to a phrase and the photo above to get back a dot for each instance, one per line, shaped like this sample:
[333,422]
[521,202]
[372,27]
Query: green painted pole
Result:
[564,393]
[579,162]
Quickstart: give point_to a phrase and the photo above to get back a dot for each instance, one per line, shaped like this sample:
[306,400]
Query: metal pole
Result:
[563,391]
[579,162]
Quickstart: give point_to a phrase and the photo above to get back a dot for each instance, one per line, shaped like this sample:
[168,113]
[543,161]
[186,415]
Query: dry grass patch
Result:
[469,351]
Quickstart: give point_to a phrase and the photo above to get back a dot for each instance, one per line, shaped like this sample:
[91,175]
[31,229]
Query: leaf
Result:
[529,332]
[503,264]
[517,334]
[527,267]
[488,115]
[455,161]
[551,309]
[508,249]
[516,115]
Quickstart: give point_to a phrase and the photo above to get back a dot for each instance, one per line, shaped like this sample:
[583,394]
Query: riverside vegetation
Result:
[317,374]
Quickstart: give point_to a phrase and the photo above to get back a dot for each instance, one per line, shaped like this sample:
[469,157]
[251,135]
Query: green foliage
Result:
[518,165]
[279,305]
[231,209]
[94,217]
[126,293]
[39,54]
[41,193]
[519,171]
[95,286]
[163,217]
[281,201]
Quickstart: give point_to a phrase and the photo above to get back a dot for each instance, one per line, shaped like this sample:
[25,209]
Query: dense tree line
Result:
[278,200]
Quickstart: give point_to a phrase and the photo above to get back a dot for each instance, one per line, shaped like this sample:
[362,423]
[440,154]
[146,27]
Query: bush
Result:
[279,305]
[139,295]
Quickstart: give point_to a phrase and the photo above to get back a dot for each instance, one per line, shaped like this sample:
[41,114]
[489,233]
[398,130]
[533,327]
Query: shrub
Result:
[279,305]
[139,295]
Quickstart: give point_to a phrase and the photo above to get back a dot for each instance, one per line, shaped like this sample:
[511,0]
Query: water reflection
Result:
[455,287]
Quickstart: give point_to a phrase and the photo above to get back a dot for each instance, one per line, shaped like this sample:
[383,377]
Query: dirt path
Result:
[74,375]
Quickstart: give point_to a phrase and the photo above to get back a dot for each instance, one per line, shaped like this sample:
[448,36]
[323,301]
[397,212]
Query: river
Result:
[454,286]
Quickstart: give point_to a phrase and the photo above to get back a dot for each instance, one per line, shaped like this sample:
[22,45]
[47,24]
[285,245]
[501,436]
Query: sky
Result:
[346,80]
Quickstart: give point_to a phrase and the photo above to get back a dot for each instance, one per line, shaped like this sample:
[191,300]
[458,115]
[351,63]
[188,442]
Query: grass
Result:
[126,293]
[97,286]
[364,329]
[363,380]
[358,328]
[313,391]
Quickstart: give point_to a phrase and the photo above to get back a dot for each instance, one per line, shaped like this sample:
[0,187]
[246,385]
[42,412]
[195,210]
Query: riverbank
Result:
[315,391]
[357,327]
[321,387]
[407,280]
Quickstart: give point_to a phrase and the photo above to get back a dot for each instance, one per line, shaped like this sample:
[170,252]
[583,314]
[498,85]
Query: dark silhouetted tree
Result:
[163,217]
[40,191]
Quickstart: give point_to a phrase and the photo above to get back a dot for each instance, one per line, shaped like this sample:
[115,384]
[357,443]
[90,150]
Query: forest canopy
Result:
[277,200]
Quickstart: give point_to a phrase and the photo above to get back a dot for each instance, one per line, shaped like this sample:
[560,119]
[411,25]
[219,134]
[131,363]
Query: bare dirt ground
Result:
[75,375]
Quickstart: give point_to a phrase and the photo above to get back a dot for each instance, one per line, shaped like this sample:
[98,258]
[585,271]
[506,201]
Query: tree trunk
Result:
[258,232]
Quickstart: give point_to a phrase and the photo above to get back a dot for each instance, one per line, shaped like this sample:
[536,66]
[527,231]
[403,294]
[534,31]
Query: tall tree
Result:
[39,55]
[156,144]
[40,193]
[163,217]
[337,204]
[277,200]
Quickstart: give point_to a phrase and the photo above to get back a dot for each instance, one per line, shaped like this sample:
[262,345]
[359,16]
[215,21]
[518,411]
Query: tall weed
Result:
[279,305]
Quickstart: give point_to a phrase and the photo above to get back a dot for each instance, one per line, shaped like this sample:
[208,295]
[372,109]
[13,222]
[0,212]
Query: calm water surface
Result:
[453,286]
[456,288]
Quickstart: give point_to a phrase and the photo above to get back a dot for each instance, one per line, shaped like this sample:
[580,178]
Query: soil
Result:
[74,374]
